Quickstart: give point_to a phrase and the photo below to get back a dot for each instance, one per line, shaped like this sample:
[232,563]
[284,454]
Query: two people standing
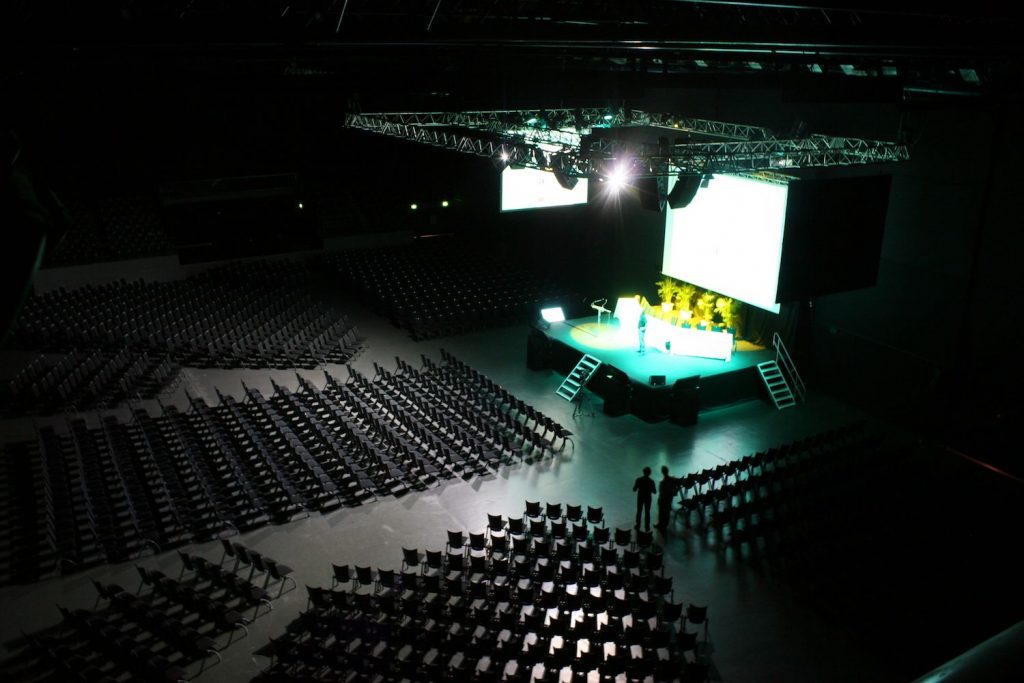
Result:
[645,488]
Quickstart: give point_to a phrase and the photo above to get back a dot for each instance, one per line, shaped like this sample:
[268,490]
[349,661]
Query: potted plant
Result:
[667,288]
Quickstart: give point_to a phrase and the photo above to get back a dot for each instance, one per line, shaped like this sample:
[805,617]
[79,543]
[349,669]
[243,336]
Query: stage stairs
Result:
[784,384]
[574,382]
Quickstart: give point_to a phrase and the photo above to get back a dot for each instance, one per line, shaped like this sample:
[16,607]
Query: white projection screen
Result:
[528,188]
[729,239]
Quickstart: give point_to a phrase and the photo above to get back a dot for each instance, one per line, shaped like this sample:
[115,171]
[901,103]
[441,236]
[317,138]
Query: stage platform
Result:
[625,379]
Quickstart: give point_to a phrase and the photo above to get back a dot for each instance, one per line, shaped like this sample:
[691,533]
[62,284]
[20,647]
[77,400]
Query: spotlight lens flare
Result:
[617,178]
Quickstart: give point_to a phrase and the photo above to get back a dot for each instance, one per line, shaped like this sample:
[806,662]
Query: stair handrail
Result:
[785,361]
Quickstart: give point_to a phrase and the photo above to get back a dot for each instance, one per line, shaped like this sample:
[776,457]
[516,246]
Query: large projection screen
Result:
[729,239]
[528,188]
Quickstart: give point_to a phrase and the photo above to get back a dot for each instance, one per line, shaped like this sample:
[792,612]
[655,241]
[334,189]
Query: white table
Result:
[688,341]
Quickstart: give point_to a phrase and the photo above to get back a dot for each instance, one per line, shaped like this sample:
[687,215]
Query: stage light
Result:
[617,178]
[531,121]
[501,159]
[413,207]
[608,117]
[552,315]
[300,206]
[444,203]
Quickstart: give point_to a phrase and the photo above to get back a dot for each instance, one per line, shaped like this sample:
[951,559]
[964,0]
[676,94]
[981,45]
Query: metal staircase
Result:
[573,384]
[784,384]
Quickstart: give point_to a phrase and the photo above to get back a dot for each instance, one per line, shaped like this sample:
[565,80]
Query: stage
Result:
[682,385]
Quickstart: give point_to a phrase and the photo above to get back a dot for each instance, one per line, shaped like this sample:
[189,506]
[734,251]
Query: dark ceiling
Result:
[450,46]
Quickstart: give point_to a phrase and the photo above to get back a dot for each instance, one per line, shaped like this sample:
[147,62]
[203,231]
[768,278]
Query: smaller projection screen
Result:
[529,188]
[729,239]
[834,231]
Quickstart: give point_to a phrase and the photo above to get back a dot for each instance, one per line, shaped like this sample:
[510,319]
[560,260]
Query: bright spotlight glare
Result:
[413,207]
[444,203]
[617,179]
[504,156]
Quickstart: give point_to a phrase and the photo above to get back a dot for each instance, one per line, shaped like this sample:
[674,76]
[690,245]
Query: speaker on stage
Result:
[685,401]
[538,351]
[657,380]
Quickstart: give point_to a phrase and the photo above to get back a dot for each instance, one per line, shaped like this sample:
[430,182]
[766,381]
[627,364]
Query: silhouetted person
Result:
[641,329]
[645,488]
[667,488]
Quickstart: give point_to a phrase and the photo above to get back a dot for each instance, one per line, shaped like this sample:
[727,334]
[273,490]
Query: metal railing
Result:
[785,361]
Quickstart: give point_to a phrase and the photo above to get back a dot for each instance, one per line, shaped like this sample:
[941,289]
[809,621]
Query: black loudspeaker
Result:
[538,351]
[657,380]
[684,190]
[685,402]
[617,396]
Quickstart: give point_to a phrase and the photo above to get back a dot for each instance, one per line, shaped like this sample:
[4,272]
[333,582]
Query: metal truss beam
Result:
[579,121]
[746,149]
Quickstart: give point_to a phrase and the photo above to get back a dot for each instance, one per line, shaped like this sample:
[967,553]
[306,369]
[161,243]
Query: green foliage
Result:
[705,308]
[684,297]
[666,288]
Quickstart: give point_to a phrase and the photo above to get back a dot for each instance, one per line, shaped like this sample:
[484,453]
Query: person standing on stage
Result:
[641,327]
[667,488]
[645,488]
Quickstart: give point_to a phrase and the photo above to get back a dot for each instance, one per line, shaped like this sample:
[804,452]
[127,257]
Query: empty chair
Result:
[280,573]
[623,537]
[661,586]
[595,515]
[533,509]
[477,541]
[456,540]
[573,513]
[386,581]
[104,592]
[553,511]
[187,565]
[434,561]
[495,523]
[229,551]
[499,545]
[670,613]
[342,574]
[364,576]
[697,615]
[516,526]
[411,558]
[644,539]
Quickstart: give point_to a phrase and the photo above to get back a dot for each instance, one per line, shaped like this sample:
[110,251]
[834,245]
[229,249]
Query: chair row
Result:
[482,611]
[114,490]
[245,315]
[445,287]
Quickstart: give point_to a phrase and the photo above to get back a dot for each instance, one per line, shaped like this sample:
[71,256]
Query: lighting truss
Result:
[567,140]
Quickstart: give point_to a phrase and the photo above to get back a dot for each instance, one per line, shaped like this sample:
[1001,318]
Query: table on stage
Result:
[688,341]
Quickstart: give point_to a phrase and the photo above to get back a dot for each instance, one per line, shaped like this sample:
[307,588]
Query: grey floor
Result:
[759,630]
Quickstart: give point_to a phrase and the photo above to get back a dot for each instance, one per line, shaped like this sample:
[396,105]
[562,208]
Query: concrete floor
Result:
[759,630]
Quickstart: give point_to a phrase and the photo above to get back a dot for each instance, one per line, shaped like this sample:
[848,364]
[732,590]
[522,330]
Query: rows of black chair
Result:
[85,380]
[115,490]
[760,504]
[110,229]
[550,588]
[258,315]
[438,288]
[168,626]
